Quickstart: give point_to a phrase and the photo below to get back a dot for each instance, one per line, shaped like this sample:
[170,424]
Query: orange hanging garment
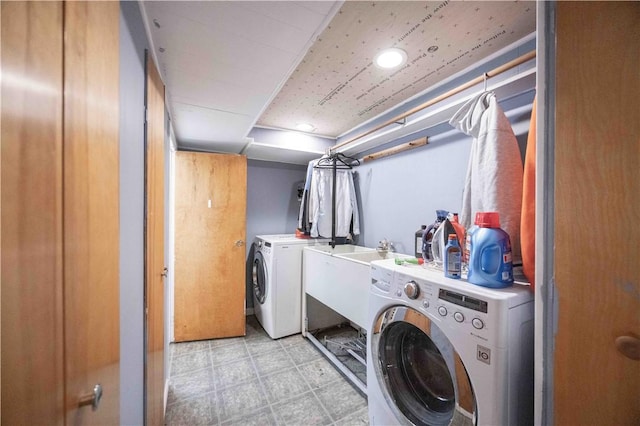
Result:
[528,215]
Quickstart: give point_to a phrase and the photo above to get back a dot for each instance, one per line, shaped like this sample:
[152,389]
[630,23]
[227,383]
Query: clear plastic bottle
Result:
[452,258]
[418,241]
[427,236]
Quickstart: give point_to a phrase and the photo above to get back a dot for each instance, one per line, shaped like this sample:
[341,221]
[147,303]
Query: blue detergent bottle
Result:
[490,263]
[452,258]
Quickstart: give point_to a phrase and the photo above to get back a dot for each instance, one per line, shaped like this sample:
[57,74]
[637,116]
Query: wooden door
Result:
[31,214]
[91,210]
[597,213]
[155,271]
[210,206]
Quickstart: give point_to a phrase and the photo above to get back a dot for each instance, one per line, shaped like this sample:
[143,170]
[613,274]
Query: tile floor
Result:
[254,380]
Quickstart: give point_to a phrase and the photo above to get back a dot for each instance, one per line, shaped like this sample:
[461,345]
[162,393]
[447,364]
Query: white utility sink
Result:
[342,249]
[339,278]
[369,256]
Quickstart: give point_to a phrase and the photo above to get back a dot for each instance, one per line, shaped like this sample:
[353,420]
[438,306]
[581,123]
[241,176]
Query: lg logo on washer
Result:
[483,354]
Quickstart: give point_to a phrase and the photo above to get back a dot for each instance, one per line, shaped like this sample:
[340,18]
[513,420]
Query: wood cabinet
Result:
[210,221]
[60,206]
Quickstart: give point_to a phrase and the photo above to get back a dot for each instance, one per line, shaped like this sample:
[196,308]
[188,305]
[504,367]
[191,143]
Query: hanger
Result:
[341,162]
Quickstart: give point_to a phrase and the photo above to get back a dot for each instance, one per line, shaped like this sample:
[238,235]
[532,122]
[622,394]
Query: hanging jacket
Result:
[320,203]
[494,174]
[303,216]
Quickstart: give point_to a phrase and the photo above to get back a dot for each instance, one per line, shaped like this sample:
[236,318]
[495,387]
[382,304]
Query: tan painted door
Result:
[210,215]
[154,248]
[91,210]
[597,212]
[31,213]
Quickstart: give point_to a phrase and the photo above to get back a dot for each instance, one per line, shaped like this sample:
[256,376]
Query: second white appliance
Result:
[277,282]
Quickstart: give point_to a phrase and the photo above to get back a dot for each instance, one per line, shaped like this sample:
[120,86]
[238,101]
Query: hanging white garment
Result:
[303,214]
[494,174]
[320,203]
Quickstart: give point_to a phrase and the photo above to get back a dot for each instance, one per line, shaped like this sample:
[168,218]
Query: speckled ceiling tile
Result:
[336,86]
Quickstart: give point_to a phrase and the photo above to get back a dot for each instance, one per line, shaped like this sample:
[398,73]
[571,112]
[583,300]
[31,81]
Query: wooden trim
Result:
[499,70]
[396,149]
[154,246]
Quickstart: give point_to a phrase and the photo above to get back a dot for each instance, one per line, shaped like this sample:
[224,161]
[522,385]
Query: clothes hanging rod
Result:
[480,79]
[396,149]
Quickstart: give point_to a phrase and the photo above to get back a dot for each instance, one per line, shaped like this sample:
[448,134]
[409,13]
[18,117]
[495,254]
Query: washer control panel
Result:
[264,246]
[452,307]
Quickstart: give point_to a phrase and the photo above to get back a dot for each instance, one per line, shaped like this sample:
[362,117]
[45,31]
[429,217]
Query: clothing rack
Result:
[335,161]
[480,79]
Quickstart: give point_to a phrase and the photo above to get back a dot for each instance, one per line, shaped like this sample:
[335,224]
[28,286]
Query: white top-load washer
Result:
[277,282]
[442,351]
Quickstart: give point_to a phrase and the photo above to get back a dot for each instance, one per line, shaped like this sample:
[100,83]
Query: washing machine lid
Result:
[291,239]
[259,277]
[422,377]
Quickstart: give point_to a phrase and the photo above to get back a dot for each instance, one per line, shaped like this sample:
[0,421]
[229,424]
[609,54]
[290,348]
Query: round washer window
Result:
[259,278]
[417,373]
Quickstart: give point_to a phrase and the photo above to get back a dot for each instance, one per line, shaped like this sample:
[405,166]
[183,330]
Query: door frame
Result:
[545,302]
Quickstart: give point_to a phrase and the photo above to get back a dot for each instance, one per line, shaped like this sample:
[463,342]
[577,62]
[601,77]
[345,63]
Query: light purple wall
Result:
[272,204]
[133,42]
[397,194]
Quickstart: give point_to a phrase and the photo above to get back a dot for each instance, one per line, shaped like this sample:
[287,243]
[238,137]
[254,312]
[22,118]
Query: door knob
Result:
[629,346]
[239,243]
[165,271]
[93,398]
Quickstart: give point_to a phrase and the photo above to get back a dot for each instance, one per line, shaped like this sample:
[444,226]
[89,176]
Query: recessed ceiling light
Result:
[305,127]
[391,58]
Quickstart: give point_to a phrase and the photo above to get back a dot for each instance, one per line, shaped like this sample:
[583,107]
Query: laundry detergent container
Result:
[490,262]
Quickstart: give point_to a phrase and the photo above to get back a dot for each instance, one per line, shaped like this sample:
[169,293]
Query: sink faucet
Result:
[385,245]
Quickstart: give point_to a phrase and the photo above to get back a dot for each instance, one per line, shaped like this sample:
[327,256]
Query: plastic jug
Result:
[467,240]
[453,218]
[427,236]
[490,263]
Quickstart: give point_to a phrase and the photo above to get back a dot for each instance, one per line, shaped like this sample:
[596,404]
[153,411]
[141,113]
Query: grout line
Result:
[307,382]
[216,403]
[262,386]
[215,384]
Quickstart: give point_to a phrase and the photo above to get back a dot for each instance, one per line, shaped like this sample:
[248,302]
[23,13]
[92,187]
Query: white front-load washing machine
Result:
[277,282]
[442,351]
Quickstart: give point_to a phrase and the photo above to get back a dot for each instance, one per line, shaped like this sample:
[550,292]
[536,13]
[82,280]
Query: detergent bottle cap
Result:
[488,219]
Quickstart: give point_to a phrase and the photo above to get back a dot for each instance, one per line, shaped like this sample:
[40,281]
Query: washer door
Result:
[421,375]
[259,277]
